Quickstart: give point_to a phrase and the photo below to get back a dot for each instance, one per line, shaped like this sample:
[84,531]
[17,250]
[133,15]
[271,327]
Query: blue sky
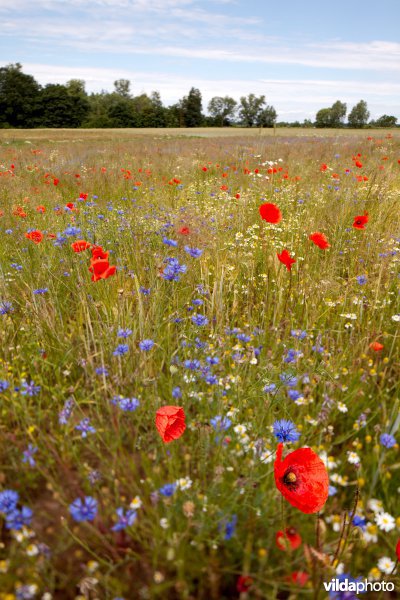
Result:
[302,55]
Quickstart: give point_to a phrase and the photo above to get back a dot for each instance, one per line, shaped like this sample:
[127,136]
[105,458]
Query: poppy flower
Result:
[98,252]
[36,236]
[270,213]
[299,578]
[302,479]
[398,550]
[358,164]
[243,584]
[376,346]
[288,540]
[320,240]
[80,245]
[101,269]
[70,205]
[41,209]
[284,257]
[360,221]
[170,422]
[184,231]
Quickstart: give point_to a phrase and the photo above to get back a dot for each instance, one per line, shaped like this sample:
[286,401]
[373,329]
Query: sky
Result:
[302,55]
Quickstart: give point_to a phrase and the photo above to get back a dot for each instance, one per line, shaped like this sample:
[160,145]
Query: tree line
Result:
[24,103]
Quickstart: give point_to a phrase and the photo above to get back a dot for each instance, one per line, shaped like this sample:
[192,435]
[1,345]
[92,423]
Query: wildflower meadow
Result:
[200,365]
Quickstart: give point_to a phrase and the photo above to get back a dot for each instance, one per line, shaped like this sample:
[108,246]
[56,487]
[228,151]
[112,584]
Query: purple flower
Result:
[8,501]
[29,389]
[124,520]
[193,252]
[65,413]
[387,440]
[167,490]
[124,333]
[285,431]
[28,455]
[83,510]
[146,345]
[17,519]
[121,349]
[199,320]
[85,427]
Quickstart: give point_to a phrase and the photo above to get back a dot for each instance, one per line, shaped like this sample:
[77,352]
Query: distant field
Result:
[208,132]
[182,313]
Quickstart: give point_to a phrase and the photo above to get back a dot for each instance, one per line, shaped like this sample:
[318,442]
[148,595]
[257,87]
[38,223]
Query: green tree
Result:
[250,109]
[192,104]
[385,121]
[333,116]
[359,115]
[222,109]
[19,97]
[122,87]
[267,117]
[58,107]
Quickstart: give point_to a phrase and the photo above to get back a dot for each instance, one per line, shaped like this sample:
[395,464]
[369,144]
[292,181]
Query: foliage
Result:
[359,115]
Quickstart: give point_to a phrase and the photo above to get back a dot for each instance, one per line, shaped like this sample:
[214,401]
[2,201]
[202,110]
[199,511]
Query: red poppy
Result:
[243,584]
[270,213]
[80,245]
[299,578]
[358,164]
[36,236]
[41,209]
[302,479]
[323,167]
[360,221]
[70,205]
[376,346]
[398,550]
[284,257]
[101,269]
[170,422]
[98,252]
[288,540]
[83,196]
[320,240]
[237,196]
[184,230]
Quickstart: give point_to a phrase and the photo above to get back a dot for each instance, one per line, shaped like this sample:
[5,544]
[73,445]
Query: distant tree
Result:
[192,105]
[175,114]
[58,107]
[122,87]
[385,121]
[19,96]
[267,117]
[121,113]
[359,115]
[250,109]
[307,123]
[222,109]
[333,116]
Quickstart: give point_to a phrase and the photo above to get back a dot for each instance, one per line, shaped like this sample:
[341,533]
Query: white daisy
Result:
[385,521]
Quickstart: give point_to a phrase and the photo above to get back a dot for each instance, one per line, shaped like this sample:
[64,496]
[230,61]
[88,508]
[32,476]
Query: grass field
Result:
[99,499]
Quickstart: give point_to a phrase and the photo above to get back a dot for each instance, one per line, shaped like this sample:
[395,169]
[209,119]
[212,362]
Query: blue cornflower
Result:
[167,490]
[65,413]
[41,291]
[85,427]
[8,501]
[168,242]
[29,389]
[285,431]
[294,394]
[101,371]
[197,302]
[297,333]
[6,308]
[71,230]
[387,440]
[83,510]
[212,360]
[177,392]
[3,385]
[229,527]
[199,320]
[17,519]
[173,269]
[269,388]
[288,379]
[359,522]
[126,404]
[194,252]
[16,266]
[121,349]
[362,279]
[146,345]
[243,337]
[332,490]
[124,519]
[144,291]
[124,333]
[318,348]
[193,364]
[292,355]
[28,455]
[220,423]
[211,379]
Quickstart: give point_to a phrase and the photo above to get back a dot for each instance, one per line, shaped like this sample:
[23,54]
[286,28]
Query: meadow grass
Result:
[267,333]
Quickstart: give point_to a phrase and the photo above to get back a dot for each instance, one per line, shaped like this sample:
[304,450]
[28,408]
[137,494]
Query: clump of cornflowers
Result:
[193,252]
[173,269]
[126,404]
[83,509]
[285,431]
[16,518]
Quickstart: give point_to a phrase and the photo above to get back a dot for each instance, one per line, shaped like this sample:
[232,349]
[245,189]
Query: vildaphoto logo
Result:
[359,587]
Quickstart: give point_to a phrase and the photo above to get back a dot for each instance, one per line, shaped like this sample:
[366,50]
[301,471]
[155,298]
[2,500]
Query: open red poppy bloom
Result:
[299,578]
[360,221]
[80,245]
[41,209]
[170,422]
[98,252]
[184,231]
[70,205]
[288,540]
[270,213]
[36,236]
[243,584]
[376,346]
[284,257]
[101,269]
[302,479]
[398,550]
[320,240]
